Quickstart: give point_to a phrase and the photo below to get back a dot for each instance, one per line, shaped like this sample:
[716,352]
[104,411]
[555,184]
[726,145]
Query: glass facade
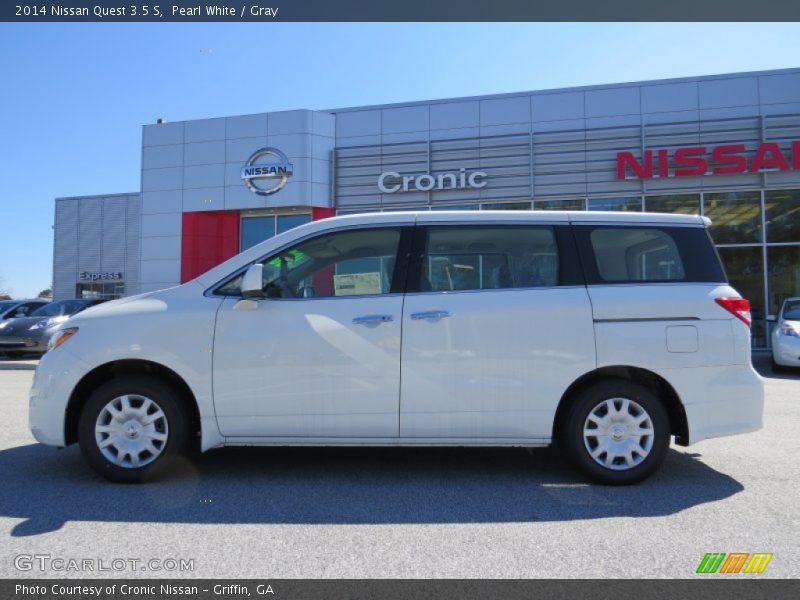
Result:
[100,291]
[688,204]
[744,266]
[569,204]
[506,206]
[623,204]
[782,208]
[784,274]
[257,228]
[735,217]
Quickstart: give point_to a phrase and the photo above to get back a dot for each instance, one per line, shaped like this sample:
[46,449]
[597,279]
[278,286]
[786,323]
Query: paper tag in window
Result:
[357,284]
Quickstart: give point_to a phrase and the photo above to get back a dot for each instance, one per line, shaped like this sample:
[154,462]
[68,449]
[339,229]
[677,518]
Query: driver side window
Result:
[357,262]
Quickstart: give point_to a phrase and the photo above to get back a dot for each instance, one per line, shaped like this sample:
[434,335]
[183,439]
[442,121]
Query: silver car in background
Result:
[786,336]
[10,309]
[30,335]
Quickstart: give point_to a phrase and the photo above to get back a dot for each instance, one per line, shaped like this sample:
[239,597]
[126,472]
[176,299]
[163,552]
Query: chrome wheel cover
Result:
[618,434]
[131,431]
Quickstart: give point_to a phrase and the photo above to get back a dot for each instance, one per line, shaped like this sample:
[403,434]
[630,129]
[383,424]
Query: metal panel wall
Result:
[98,234]
[90,231]
[133,241]
[573,162]
[114,249]
[65,249]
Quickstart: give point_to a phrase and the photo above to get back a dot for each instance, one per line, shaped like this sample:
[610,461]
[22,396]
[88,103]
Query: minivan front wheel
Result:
[616,432]
[132,428]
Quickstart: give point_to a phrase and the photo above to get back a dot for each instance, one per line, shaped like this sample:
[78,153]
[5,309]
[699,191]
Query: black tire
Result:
[571,436]
[178,427]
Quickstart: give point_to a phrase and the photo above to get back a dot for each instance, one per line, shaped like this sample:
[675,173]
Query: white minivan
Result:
[607,333]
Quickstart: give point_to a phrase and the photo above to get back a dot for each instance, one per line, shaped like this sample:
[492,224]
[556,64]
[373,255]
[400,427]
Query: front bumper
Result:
[56,376]
[36,343]
[786,350]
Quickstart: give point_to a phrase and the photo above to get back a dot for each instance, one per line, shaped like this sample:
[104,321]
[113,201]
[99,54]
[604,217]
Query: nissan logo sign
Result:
[265,178]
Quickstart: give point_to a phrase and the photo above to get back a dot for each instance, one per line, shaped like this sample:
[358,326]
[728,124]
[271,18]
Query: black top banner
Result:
[397,10]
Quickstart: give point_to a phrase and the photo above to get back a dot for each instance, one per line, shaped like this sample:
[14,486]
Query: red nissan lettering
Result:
[692,158]
[776,161]
[628,159]
[731,157]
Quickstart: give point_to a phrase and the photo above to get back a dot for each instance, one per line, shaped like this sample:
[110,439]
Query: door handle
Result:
[369,319]
[431,314]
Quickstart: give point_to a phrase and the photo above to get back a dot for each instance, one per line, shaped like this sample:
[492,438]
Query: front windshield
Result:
[791,310]
[59,309]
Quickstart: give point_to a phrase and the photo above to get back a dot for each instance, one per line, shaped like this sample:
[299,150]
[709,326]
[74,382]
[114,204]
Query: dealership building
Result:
[724,146]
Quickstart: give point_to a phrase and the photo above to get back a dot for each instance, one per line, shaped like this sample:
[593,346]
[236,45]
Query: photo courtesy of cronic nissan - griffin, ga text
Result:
[604,333]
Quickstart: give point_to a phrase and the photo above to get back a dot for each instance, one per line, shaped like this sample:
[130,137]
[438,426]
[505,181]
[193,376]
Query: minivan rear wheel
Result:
[132,428]
[616,432]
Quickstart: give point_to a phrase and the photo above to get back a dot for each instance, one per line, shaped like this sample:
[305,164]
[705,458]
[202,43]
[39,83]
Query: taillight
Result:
[738,307]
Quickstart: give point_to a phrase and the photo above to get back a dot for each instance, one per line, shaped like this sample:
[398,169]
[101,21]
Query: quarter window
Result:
[636,255]
[613,254]
[461,258]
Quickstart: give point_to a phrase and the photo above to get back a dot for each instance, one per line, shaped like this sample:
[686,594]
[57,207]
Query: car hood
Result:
[150,302]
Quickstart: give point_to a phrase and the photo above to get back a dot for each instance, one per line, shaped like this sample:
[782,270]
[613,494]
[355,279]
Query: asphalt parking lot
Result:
[353,513]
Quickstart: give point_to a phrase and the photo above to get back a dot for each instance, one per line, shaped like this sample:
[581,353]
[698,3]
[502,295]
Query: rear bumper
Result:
[719,401]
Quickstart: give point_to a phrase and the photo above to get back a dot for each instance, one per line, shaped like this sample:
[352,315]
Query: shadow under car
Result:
[49,487]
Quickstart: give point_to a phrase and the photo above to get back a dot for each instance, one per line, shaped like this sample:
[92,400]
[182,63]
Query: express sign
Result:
[704,160]
[100,276]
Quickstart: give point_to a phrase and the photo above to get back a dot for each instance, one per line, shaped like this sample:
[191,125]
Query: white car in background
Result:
[608,333]
[786,336]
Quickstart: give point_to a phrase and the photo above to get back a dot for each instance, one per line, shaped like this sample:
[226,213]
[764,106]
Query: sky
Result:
[73,97]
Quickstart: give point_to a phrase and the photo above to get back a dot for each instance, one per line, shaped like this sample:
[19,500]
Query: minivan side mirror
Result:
[253,282]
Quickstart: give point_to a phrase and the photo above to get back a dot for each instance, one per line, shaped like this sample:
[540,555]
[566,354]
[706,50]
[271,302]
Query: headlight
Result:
[60,337]
[788,329]
[42,324]
[4,323]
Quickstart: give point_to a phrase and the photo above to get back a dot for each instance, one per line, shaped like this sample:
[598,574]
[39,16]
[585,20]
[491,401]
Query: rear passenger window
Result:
[489,257]
[629,254]
[617,254]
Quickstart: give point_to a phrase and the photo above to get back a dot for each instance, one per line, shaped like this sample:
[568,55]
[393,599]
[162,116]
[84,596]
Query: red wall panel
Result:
[318,213]
[208,238]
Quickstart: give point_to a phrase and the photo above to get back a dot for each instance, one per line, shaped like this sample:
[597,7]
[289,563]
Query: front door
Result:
[320,355]
[498,328]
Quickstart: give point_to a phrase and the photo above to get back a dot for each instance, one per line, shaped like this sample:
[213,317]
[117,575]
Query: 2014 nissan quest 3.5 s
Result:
[607,333]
